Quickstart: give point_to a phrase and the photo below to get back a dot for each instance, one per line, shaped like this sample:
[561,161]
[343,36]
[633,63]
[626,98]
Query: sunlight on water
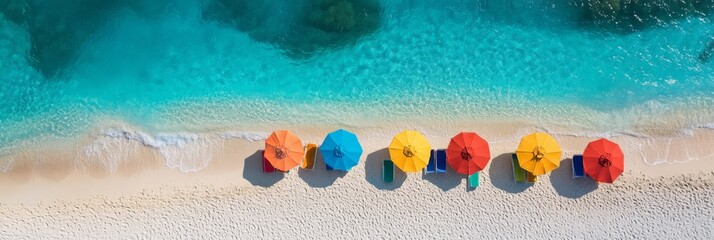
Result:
[191,65]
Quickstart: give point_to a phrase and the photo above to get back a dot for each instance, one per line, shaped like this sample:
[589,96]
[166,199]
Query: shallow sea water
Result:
[165,67]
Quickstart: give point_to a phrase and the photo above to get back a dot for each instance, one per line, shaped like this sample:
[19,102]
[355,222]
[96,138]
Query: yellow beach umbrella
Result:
[538,153]
[410,151]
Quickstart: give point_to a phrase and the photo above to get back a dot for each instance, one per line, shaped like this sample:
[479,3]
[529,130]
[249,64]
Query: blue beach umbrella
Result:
[341,150]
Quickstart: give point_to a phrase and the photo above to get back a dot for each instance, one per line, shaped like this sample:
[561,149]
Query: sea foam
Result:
[187,152]
[6,163]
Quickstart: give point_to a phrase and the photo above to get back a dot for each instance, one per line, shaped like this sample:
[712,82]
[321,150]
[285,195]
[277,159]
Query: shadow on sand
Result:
[501,174]
[565,185]
[253,171]
[373,171]
[319,176]
[445,181]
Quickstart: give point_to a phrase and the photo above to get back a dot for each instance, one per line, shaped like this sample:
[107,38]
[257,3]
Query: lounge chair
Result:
[327,166]
[309,162]
[441,161]
[431,167]
[578,169]
[267,167]
[519,175]
[530,178]
[388,171]
[473,180]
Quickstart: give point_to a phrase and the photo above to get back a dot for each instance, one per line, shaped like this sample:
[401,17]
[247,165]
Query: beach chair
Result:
[441,161]
[327,167]
[578,169]
[530,178]
[267,167]
[519,175]
[431,167]
[388,171]
[473,180]
[309,162]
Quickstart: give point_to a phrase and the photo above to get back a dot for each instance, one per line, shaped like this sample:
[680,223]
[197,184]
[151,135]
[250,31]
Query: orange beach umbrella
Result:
[284,150]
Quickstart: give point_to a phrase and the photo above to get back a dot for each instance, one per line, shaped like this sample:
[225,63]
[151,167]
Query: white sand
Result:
[232,198]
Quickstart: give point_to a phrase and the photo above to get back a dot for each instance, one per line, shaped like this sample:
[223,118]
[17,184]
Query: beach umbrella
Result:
[468,153]
[603,160]
[410,151]
[341,150]
[538,153]
[284,150]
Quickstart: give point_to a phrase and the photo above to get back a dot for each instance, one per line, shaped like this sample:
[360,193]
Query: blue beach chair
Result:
[441,161]
[578,169]
[431,167]
[327,166]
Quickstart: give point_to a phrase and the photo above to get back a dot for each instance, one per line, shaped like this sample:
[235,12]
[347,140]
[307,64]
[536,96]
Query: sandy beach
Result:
[665,192]
[145,119]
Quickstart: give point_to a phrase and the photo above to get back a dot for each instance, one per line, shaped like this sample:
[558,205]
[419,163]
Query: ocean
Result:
[198,65]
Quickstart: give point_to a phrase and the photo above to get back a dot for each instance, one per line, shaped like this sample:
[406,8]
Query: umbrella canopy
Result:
[603,160]
[468,153]
[341,150]
[538,153]
[410,151]
[284,150]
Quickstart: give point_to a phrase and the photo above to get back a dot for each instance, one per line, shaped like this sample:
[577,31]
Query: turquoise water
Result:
[188,65]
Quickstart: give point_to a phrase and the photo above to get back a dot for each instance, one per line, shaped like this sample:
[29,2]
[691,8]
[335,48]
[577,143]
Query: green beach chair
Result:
[388,171]
[519,175]
[473,180]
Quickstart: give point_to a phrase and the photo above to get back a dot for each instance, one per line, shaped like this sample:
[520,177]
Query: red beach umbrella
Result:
[603,160]
[468,153]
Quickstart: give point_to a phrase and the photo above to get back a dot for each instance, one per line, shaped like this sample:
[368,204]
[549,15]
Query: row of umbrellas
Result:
[539,154]
[340,150]
[467,153]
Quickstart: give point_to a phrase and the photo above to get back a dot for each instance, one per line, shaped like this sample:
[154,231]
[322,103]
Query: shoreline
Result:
[107,157]
[231,196]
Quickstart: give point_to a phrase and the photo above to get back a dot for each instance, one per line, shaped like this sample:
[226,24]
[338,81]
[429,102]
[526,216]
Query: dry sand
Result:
[666,192]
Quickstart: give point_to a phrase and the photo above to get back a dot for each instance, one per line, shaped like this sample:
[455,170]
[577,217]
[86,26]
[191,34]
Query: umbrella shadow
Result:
[373,171]
[501,174]
[445,181]
[319,176]
[253,171]
[565,185]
